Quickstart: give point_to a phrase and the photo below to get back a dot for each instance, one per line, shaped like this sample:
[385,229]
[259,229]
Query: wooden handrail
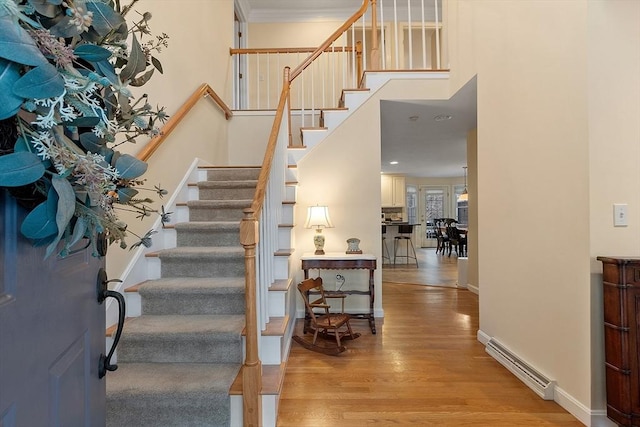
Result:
[258,51]
[332,38]
[172,123]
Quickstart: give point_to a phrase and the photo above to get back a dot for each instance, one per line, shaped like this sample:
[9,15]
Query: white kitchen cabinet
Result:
[392,191]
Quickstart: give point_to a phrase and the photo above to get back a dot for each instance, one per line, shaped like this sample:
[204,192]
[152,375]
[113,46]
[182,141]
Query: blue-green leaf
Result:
[41,221]
[65,28]
[91,142]
[136,62]
[125,194]
[21,145]
[46,7]
[83,122]
[9,102]
[17,45]
[105,19]
[79,231]
[106,69]
[41,82]
[92,53]
[156,63]
[21,168]
[129,167]
[65,211]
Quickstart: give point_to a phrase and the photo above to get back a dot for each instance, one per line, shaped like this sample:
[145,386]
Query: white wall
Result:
[558,103]
[614,149]
[198,53]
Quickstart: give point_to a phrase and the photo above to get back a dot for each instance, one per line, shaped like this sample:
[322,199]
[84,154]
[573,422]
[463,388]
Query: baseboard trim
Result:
[587,416]
[473,288]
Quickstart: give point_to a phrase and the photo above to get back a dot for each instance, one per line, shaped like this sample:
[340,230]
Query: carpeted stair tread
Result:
[234,173]
[208,233]
[182,339]
[202,251]
[193,285]
[220,204]
[208,225]
[218,209]
[228,184]
[193,295]
[187,326]
[175,379]
[169,394]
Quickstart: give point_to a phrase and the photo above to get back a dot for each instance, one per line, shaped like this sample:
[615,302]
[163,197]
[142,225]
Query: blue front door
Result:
[52,332]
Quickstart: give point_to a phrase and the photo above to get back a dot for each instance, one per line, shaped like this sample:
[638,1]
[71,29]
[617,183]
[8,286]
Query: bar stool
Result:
[385,249]
[404,234]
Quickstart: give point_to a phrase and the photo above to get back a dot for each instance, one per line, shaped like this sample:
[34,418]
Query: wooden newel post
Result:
[287,83]
[375,49]
[358,61]
[252,368]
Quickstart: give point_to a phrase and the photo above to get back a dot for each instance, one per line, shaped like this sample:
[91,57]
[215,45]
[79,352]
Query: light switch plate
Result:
[620,215]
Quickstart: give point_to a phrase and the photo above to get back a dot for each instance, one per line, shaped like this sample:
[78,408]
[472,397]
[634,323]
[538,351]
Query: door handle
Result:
[105,364]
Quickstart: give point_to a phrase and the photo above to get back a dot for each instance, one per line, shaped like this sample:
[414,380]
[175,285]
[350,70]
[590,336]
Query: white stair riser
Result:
[153,268]
[277,303]
[284,238]
[290,192]
[353,100]
[287,214]
[332,119]
[281,267]
[311,137]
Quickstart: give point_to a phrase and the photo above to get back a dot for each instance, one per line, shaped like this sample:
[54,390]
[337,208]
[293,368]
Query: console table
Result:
[342,261]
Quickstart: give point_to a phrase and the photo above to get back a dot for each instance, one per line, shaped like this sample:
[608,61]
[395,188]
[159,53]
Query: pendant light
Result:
[464,197]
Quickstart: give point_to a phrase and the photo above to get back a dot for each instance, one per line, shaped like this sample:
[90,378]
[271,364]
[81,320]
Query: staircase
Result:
[178,359]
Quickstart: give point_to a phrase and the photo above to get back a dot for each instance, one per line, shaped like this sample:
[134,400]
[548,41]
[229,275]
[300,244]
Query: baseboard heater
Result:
[537,382]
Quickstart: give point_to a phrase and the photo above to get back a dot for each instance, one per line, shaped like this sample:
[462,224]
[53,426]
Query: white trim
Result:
[242,9]
[482,337]
[589,417]
[474,289]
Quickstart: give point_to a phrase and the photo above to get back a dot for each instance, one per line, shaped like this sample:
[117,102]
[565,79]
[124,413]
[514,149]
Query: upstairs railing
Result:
[336,64]
[389,35]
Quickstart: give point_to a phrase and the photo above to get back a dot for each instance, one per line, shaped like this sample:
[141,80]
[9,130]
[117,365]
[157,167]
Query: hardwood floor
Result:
[423,368]
[433,269]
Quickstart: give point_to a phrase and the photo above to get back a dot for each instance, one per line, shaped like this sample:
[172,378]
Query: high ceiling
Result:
[422,145]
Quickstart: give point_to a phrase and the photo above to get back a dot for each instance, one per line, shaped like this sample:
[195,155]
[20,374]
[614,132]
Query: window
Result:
[412,204]
[461,208]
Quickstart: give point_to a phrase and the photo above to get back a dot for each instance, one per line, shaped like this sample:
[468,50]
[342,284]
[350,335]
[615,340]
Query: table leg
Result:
[372,296]
[307,319]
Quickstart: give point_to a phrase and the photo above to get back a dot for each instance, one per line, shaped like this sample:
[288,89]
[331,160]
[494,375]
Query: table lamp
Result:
[318,218]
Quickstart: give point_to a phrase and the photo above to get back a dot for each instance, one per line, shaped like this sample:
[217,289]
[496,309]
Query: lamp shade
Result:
[318,217]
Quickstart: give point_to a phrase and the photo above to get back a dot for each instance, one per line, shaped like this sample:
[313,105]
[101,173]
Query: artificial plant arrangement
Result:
[65,105]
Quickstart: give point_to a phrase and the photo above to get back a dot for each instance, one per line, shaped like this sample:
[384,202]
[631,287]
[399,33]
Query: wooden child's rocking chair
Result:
[323,324]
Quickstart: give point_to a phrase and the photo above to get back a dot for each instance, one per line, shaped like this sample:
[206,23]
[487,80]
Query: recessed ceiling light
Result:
[414,118]
[443,117]
[394,162]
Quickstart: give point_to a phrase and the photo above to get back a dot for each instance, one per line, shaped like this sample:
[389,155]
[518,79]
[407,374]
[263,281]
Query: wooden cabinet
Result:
[621,297]
[392,191]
